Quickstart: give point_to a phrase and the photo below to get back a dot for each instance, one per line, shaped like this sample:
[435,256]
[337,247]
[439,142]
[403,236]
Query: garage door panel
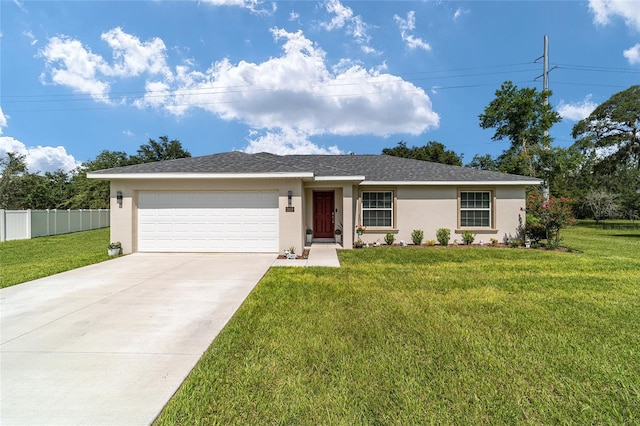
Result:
[208,221]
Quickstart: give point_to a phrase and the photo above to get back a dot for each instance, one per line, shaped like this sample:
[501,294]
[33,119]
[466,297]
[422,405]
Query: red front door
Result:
[323,215]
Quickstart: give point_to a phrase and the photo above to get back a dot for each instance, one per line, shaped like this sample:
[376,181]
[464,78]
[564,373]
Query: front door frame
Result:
[324,215]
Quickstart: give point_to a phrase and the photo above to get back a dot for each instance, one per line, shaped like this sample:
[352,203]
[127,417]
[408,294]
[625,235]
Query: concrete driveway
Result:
[110,343]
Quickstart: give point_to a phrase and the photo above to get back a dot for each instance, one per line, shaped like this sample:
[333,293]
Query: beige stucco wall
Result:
[416,207]
[124,219]
[432,207]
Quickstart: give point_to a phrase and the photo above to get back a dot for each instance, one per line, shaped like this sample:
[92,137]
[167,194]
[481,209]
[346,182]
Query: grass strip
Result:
[25,260]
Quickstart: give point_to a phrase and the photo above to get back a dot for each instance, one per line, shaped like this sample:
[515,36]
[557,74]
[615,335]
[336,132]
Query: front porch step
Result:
[323,240]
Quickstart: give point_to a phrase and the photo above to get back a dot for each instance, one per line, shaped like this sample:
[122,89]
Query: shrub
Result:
[553,214]
[417,236]
[443,235]
[389,238]
[494,241]
[431,243]
[553,244]
[468,237]
[534,230]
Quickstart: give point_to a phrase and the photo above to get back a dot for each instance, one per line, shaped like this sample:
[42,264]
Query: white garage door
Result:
[207,221]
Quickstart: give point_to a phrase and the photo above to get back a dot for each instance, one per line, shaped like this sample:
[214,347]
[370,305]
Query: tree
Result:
[94,193]
[158,151]
[45,191]
[11,191]
[484,162]
[613,129]
[524,117]
[602,204]
[433,151]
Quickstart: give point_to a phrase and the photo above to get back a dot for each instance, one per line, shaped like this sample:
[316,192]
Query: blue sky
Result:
[79,77]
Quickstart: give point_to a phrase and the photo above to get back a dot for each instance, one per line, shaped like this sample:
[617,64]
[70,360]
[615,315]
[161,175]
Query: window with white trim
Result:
[377,209]
[475,209]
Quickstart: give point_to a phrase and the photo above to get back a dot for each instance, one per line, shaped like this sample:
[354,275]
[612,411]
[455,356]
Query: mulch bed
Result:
[304,255]
[499,245]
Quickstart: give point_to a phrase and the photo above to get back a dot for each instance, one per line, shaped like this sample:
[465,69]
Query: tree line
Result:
[22,189]
[599,172]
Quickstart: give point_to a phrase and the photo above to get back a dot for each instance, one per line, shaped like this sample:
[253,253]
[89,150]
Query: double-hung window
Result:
[475,209]
[377,209]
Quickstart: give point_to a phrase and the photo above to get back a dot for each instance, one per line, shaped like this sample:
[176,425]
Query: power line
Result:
[417,76]
[454,73]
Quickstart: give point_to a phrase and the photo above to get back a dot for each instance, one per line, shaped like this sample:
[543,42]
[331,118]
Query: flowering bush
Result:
[360,229]
[551,215]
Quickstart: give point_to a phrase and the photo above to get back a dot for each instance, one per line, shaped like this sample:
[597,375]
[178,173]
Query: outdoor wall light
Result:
[289,196]
[119,198]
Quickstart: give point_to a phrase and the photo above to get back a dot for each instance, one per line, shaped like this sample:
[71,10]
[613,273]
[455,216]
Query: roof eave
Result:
[452,182]
[339,178]
[177,175]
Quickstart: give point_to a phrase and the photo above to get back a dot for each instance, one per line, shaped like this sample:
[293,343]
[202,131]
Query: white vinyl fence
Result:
[26,224]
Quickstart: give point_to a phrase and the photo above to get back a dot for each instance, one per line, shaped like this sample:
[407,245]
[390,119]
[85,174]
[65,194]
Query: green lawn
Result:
[24,260]
[432,335]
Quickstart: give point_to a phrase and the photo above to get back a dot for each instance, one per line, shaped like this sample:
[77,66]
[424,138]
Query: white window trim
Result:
[490,209]
[391,209]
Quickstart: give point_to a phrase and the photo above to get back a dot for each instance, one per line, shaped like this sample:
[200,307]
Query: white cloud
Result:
[31,37]
[71,64]
[577,111]
[343,17]
[297,91]
[256,6]
[284,142]
[629,10]
[605,10]
[633,54]
[459,12]
[128,133]
[132,57]
[157,94]
[3,120]
[294,16]
[406,28]
[40,158]
[20,5]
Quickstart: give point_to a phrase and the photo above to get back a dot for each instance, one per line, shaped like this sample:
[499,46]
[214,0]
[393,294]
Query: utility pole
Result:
[545,67]
[545,87]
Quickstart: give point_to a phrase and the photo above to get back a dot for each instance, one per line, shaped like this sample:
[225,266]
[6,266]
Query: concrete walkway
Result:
[320,254]
[110,343]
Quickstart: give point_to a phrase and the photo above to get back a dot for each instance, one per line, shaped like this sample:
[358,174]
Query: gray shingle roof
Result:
[381,168]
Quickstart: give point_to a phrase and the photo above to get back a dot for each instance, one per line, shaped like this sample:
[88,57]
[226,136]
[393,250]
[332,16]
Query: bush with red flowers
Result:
[548,216]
